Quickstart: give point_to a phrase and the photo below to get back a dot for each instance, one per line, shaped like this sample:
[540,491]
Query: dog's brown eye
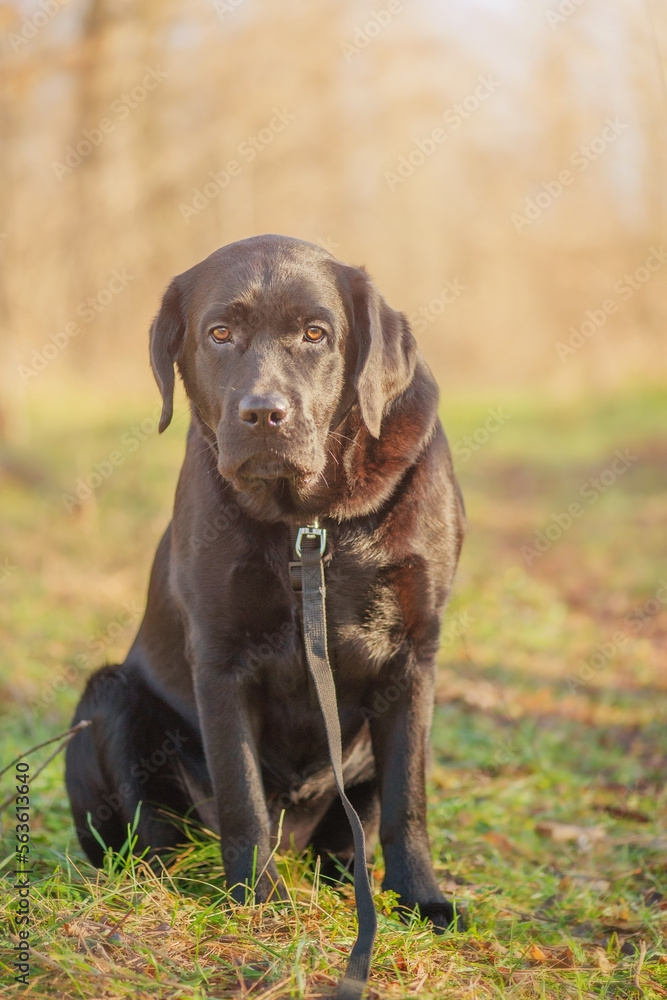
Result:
[314,334]
[221,334]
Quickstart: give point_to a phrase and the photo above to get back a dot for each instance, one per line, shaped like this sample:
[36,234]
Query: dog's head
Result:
[277,343]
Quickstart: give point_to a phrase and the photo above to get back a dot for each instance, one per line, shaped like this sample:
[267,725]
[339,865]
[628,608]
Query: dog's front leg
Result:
[231,723]
[399,730]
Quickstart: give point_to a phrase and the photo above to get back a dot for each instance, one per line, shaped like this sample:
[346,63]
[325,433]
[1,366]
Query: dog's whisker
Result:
[343,437]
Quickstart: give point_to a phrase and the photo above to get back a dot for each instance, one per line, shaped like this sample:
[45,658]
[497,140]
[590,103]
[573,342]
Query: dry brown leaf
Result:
[621,812]
[576,878]
[604,965]
[555,958]
[621,926]
[500,841]
[563,958]
[584,836]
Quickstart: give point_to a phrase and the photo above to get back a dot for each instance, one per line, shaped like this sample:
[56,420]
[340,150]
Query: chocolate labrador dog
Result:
[309,401]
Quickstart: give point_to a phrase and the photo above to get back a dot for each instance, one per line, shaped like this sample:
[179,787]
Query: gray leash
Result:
[310,544]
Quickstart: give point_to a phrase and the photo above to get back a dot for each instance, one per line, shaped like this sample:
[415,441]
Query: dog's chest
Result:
[372,611]
[365,619]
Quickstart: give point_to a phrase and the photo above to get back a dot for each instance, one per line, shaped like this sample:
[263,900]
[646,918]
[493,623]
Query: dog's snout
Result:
[264,412]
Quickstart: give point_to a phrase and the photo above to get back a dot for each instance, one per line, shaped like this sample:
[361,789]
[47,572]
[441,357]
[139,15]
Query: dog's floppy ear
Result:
[166,338]
[386,352]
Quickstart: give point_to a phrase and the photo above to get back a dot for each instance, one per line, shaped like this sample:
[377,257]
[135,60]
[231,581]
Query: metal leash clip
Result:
[311,532]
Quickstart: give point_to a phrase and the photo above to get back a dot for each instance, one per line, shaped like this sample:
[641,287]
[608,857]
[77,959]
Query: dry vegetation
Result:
[547,794]
[548,813]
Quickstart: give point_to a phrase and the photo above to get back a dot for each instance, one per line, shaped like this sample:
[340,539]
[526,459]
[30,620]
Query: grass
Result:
[547,792]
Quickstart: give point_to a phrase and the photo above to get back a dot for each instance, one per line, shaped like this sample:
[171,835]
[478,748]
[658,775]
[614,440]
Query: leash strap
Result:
[310,545]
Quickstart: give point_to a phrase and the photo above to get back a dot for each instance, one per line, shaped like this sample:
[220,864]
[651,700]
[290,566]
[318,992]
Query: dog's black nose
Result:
[264,412]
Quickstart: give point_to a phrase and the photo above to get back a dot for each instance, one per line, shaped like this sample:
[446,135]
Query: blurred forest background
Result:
[499,166]
[116,114]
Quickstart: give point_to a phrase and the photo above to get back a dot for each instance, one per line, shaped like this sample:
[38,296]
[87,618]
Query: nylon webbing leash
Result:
[310,545]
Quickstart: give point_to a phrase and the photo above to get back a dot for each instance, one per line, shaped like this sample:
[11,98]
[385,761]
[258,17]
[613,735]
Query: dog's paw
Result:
[443,915]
